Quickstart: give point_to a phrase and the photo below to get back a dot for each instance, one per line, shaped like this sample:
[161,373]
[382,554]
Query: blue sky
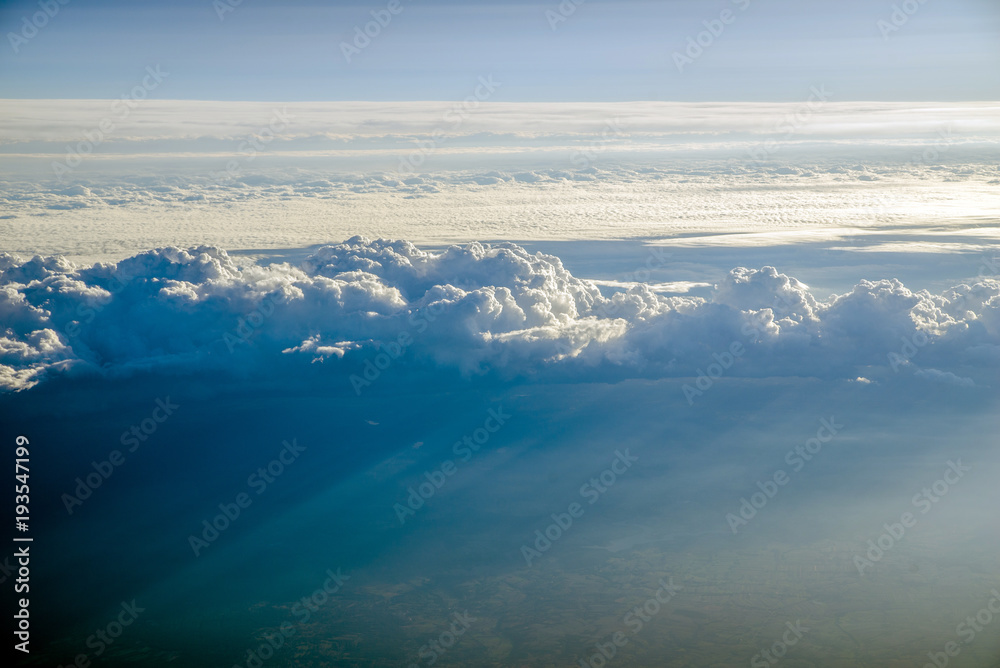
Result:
[704,281]
[603,51]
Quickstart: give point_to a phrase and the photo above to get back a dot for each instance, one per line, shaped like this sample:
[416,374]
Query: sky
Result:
[541,51]
[700,240]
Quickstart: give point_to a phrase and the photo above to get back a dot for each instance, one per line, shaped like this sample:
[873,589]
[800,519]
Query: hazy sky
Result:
[602,51]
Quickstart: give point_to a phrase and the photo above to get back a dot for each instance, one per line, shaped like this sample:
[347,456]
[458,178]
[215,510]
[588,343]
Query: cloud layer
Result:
[948,207]
[362,306]
[365,125]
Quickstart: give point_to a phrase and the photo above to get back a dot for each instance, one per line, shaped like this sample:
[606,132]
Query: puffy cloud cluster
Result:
[474,309]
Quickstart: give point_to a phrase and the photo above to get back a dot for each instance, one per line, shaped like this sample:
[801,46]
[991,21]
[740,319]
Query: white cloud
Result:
[477,308]
[116,215]
[193,124]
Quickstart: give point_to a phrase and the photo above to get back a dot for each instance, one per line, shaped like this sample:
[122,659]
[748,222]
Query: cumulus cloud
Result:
[476,309]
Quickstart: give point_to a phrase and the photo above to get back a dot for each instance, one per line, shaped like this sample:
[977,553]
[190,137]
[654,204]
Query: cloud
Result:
[172,125]
[476,309]
[281,206]
[946,377]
